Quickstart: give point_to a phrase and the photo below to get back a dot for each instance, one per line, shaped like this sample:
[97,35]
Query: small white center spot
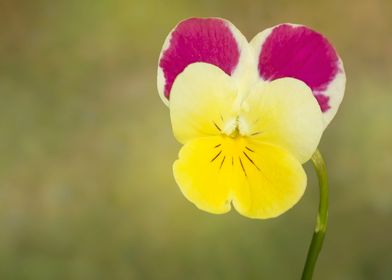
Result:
[236,126]
[243,126]
[230,126]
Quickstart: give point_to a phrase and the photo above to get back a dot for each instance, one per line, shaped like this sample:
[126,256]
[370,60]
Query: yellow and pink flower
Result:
[248,114]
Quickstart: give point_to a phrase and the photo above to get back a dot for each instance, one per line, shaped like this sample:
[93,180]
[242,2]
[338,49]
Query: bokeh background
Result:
[86,148]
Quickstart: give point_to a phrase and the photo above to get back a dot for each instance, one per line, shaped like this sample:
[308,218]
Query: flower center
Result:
[235,133]
[235,127]
[234,151]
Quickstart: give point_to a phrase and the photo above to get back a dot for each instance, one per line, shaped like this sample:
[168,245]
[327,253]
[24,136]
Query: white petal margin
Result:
[335,92]
[336,88]
[242,74]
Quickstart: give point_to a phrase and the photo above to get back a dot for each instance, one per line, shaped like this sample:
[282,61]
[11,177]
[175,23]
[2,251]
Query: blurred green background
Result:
[86,148]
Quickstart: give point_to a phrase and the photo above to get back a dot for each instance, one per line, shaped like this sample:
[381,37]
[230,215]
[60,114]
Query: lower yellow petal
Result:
[274,181]
[201,177]
[261,180]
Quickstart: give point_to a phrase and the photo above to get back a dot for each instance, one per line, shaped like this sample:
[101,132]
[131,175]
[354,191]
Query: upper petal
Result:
[288,50]
[210,40]
[202,100]
[284,113]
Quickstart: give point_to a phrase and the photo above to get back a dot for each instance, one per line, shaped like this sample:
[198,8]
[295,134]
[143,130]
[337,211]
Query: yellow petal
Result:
[272,181]
[284,112]
[202,98]
[202,175]
[261,180]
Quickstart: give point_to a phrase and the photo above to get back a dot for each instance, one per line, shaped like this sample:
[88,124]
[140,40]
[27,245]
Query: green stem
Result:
[322,217]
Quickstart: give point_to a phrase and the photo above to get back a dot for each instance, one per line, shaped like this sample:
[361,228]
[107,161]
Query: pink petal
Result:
[297,51]
[209,40]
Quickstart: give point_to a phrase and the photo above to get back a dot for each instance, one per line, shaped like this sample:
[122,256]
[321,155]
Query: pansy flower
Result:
[248,114]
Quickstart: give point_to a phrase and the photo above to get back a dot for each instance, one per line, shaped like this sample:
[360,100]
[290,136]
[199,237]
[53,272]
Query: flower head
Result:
[248,114]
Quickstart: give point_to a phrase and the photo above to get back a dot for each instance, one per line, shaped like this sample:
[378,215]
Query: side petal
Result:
[285,113]
[296,51]
[210,40]
[272,183]
[200,176]
[202,99]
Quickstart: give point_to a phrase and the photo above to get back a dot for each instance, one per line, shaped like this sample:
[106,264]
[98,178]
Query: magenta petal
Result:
[323,101]
[208,40]
[301,53]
